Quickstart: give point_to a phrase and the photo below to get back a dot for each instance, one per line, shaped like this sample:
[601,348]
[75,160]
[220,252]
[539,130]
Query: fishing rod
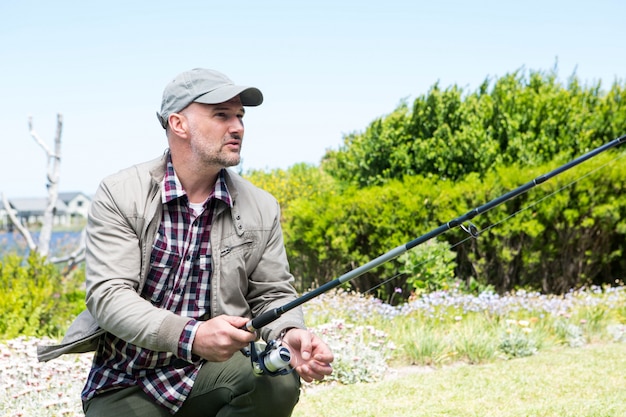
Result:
[274,360]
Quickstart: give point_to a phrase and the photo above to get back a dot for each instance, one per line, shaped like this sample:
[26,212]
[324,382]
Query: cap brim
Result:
[250,96]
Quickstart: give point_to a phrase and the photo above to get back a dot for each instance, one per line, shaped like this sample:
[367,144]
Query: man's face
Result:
[216,132]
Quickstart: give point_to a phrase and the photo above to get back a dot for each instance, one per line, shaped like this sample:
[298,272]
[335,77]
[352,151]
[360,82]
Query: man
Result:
[181,253]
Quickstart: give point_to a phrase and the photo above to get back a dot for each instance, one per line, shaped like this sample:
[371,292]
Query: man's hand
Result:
[218,339]
[311,357]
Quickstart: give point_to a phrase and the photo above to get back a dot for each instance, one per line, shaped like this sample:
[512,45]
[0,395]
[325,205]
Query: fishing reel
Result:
[273,360]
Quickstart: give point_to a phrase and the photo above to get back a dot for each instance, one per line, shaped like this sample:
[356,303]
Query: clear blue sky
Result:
[326,68]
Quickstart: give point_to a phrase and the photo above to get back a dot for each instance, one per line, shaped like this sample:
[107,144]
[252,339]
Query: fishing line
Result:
[399,274]
[533,204]
[473,232]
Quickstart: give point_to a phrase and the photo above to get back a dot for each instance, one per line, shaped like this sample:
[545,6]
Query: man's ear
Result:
[178,124]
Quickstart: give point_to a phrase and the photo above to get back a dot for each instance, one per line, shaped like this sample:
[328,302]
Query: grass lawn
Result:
[565,382]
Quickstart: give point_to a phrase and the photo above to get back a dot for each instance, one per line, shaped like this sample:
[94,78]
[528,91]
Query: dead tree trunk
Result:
[42,246]
[52,174]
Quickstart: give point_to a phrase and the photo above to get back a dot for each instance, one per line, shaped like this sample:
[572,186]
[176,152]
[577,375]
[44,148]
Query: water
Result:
[61,243]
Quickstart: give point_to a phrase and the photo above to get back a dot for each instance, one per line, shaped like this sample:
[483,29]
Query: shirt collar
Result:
[172,189]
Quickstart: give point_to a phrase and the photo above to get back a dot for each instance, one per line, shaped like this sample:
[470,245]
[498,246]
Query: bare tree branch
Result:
[76,257]
[18,225]
[35,136]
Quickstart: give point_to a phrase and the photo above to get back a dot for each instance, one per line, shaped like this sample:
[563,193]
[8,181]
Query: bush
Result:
[527,117]
[300,181]
[517,340]
[332,234]
[566,233]
[429,267]
[35,298]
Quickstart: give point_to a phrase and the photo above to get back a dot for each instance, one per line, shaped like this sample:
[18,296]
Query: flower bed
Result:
[365,334]
[32,388]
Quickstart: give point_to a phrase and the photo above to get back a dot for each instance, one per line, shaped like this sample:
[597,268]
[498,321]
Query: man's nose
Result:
[236,125]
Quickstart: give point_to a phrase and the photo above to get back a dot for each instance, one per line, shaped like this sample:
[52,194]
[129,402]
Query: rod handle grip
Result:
[262,320]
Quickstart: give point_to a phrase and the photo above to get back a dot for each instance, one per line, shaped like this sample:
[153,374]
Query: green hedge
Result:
[572,238]
[36,299]
[527,117]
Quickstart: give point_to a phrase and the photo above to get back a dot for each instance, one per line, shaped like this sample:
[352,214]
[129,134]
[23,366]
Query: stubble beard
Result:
[211,154]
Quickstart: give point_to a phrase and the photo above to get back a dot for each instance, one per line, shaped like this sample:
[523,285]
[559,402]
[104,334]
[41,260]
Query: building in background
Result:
[71,208]
[77,204]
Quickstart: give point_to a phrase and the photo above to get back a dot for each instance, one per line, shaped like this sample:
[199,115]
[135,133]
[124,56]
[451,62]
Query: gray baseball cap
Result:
[206,86]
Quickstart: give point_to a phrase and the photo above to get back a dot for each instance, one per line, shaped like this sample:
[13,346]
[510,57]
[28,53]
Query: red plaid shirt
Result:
[179,281]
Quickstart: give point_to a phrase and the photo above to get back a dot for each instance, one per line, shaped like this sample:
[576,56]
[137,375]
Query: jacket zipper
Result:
[229,249]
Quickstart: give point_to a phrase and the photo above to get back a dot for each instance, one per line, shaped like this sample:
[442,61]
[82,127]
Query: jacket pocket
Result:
[236,263]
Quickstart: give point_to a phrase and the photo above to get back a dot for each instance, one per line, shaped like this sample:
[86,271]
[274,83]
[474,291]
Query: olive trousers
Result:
[221,389]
